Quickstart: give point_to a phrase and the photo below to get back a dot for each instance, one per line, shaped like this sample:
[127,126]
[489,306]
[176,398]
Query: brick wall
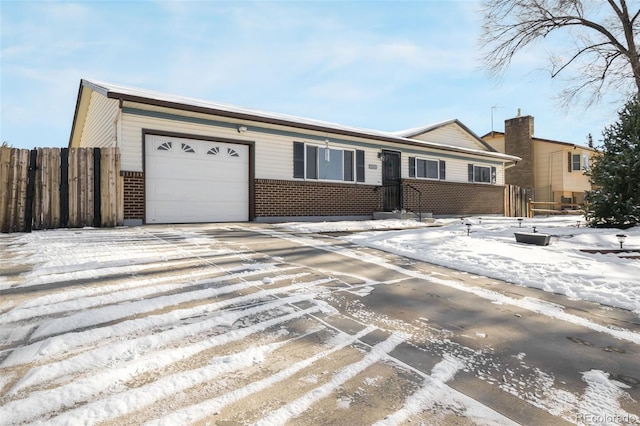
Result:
[299,198]
[450,198]
[305,198]
[133,195]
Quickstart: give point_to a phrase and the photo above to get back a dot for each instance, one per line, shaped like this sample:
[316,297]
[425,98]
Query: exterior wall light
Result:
[242,129]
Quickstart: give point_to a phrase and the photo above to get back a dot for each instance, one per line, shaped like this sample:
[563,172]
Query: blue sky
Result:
[384,65]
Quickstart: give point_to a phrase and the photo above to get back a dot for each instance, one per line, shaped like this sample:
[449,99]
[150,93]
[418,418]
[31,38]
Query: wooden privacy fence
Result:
[554,208]
[516,201]
[48,188]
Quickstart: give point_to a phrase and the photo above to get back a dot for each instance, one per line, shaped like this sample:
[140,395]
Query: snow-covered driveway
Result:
[246,323]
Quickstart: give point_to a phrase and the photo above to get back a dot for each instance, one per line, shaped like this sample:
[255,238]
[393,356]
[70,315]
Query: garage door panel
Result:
[168,211]
[175,190]
[195,169]
[195,181]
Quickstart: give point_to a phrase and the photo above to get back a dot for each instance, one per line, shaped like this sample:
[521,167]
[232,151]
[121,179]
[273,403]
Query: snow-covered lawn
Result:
[490,250]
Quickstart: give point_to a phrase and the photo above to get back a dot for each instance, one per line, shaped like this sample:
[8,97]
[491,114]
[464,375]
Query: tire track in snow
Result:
[61,343]
[203,409]
[80,390]
[297,407]
[131,290]
[105,356]
[108,314]
[62,259]
[136,399]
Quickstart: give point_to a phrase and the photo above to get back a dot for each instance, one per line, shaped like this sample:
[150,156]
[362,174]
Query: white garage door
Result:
[195,181]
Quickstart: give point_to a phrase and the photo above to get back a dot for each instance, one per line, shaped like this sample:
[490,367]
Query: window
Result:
[482,174]
[578,162]
[426,168]
[575,162]
[166,146]
[315,162]
[187,148]
[331,166]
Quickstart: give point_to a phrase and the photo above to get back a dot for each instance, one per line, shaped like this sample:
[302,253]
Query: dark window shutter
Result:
[494,172]
[360,166]
[443,170]
[298,160]
[348,166]
[569,156]
[470,172]
[312,162]
[412,166]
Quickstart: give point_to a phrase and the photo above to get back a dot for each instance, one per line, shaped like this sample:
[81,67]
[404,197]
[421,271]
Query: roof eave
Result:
[113,94]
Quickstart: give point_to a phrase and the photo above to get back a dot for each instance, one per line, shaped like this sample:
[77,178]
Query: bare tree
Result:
[603,57]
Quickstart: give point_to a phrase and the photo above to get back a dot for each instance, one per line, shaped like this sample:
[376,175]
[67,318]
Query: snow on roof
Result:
[497,133]
[192,104]
[423,129]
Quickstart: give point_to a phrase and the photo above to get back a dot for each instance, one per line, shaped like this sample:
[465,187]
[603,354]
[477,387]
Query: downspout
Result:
[515,163]
[118,124]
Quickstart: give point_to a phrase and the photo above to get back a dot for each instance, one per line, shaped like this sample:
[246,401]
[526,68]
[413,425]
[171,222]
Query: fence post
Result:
[31,191]
[5,162]
[97,197]
[64,187]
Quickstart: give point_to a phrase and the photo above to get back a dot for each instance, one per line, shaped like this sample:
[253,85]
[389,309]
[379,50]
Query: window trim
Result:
[440,164]
[493,174]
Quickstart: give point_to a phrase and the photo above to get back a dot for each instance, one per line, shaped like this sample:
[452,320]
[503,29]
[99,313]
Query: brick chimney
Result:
[518,134]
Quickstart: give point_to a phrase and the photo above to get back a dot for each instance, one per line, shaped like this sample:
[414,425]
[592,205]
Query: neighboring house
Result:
[188,160]
[554,170]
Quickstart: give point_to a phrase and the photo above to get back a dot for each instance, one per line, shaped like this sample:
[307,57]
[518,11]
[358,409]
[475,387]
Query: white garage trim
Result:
[190,180]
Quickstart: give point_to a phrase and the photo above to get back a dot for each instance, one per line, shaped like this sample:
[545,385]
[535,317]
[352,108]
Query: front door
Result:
[391,181]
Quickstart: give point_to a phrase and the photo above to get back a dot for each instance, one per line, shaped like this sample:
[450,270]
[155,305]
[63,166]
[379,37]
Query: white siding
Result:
[100,128]
[133,125]
[274,148]
[451,134]
[273,152]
